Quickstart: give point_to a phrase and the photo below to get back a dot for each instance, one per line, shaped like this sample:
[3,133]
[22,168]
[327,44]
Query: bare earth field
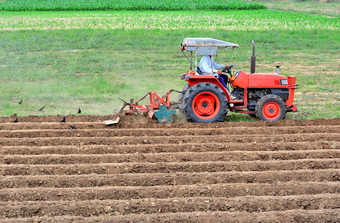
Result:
[141,171]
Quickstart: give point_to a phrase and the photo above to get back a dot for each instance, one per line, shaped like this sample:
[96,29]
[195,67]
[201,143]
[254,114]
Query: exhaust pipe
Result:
[277,65]
[253,59]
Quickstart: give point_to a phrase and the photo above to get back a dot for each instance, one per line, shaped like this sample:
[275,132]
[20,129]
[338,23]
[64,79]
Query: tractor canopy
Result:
[207,42]
[202,47]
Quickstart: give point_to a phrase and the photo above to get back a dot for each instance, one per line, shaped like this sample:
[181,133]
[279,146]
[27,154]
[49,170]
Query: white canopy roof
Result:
[197,42]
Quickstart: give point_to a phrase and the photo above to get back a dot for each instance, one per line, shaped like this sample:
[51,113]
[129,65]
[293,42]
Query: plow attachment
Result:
[160,107]
[112,122]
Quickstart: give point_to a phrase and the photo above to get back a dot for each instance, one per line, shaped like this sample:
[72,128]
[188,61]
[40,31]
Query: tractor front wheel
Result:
[271,108]
[205,102]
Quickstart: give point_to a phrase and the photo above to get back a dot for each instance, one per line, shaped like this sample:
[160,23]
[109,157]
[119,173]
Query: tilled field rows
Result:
[187,172]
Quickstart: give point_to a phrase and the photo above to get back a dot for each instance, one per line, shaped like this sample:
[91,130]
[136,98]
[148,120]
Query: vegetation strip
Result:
[183,20]
[134,5]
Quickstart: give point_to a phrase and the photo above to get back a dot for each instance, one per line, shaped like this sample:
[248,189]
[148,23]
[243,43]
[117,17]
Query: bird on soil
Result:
[64,120]
[16,120]
[42,108]
[72,127]
[79,111]
[20,102]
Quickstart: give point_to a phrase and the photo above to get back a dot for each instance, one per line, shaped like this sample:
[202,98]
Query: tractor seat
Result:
[199,71]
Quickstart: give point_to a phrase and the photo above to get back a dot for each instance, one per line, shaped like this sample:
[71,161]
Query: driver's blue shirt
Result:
[205,66]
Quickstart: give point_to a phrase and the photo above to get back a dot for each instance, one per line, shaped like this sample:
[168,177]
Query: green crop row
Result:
[163,5]
[172,20]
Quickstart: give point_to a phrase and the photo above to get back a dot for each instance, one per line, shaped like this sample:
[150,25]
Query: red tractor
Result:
[204,99]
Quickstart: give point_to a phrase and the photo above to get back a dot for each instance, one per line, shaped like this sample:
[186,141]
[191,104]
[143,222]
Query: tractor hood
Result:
[197,42]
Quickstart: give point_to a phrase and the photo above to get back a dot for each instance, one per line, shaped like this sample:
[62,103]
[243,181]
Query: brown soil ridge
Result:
[220,125]
[153,179]
[167,132]
[140,168]
[168,205]
[170,157]
[194,167]
[58,118]
[296,215]
[136,120]
[311,137]
[164,191]
[154,126]
[168,148]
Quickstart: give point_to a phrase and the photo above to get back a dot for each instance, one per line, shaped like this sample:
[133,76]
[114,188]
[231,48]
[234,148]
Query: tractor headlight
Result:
[284,82]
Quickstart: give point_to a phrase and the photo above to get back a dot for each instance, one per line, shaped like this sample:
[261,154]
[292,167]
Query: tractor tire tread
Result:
[209,86]
[181,95]
[266,99]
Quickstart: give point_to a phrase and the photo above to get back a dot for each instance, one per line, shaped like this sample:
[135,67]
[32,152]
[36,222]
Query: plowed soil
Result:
[142,171]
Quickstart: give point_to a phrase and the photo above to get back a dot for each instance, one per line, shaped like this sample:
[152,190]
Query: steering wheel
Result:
[228,70]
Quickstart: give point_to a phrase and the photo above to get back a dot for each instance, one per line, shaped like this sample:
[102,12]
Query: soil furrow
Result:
[55,141]
[169,205]
[167,132]
[138,121]
[151,179]
[188,147]
[170,157]
[159,192]
[194,167]
[295,215]
[58,118]
[139,170]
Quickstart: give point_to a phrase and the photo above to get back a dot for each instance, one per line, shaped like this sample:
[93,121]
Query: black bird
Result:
[79,111]
[16,120]
[20,102]
[72,127]
[42,108]
[64,120]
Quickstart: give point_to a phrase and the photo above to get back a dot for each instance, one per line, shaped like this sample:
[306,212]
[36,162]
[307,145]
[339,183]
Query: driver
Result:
[205,66]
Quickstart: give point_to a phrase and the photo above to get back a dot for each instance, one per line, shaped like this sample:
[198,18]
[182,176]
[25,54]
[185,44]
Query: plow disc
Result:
[164,115]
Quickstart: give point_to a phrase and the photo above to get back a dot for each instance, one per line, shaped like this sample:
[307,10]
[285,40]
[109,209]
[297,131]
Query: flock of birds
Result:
[42,108]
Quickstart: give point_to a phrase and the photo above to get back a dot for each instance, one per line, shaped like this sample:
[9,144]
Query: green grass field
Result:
[135,5]
[174,20]
[71,60]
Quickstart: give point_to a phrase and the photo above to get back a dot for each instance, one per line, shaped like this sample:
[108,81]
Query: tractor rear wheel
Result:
[205,102]
[271,108]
